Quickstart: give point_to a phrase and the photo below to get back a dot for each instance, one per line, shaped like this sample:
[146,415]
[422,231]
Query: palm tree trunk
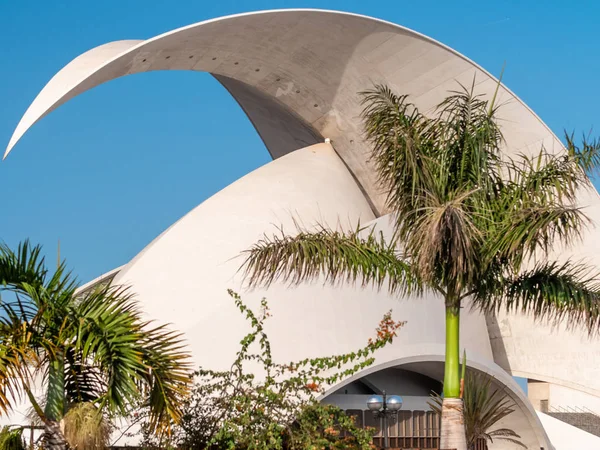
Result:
[453,427]
[54,438]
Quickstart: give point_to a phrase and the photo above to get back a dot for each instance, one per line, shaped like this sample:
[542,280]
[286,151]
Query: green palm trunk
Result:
[55,397]
[453,428]
[452,367]
[55,405]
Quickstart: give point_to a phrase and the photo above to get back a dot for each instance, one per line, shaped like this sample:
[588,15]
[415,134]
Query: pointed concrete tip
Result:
[9,147]
[57,90]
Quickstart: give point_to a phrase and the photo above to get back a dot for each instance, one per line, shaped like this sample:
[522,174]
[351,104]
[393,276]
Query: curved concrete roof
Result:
[296,74]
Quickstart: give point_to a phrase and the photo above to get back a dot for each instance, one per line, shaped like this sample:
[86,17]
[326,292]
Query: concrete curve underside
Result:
[429,361]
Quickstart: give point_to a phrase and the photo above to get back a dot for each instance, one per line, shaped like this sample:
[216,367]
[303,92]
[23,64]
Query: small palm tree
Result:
[11,438]
[84,425]
[468,223]
[484,407]
[92,347]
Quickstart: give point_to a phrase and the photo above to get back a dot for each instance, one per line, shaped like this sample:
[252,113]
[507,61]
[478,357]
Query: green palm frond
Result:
[167,376]
[401,138]
[469,139]
[14,372]
[107,335]
[23,266]
[530,231]
[84,383]
[587,154]
[545,177]
[135,359]
[534,207]
[11,438]
[334,255]
[550,290]
[92,349]
[505,434]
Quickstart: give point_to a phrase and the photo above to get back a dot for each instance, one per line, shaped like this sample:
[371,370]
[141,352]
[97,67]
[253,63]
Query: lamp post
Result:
[384,407]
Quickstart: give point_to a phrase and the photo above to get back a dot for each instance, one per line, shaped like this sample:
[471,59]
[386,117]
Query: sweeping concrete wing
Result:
[297,74]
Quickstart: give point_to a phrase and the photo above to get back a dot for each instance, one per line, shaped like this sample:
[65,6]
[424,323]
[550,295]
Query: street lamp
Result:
[384,407]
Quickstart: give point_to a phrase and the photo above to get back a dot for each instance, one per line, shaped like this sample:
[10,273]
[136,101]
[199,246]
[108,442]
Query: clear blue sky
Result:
[110,170]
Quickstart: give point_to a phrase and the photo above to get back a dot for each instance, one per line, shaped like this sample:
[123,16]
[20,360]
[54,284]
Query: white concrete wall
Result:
[182,276]
[566,437]
[559,354]
[538,393]
[561,397]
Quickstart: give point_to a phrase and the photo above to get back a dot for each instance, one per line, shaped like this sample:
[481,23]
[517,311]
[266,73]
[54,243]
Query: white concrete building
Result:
[296,74]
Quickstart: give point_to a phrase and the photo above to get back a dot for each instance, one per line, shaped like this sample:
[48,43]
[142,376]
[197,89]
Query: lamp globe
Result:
[375,403]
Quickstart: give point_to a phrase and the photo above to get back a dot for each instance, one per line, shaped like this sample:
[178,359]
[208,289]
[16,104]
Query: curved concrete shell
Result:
[182,277]
[296,74]
[202,253]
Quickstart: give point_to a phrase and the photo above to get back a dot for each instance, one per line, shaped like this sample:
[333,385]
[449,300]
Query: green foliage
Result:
[260,404]
[326,426]
[340,257]
[91,347]
[484,407]
[11,438]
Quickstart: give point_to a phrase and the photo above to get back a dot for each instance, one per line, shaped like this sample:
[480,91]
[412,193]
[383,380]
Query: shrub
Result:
[275,407]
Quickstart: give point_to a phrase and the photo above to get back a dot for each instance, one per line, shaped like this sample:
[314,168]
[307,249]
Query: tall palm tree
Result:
[468,222]
[86,347]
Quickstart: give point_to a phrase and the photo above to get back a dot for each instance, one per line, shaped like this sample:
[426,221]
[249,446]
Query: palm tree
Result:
[468,222]
[484,407]
[11,438]
[87,347]
[84,426]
